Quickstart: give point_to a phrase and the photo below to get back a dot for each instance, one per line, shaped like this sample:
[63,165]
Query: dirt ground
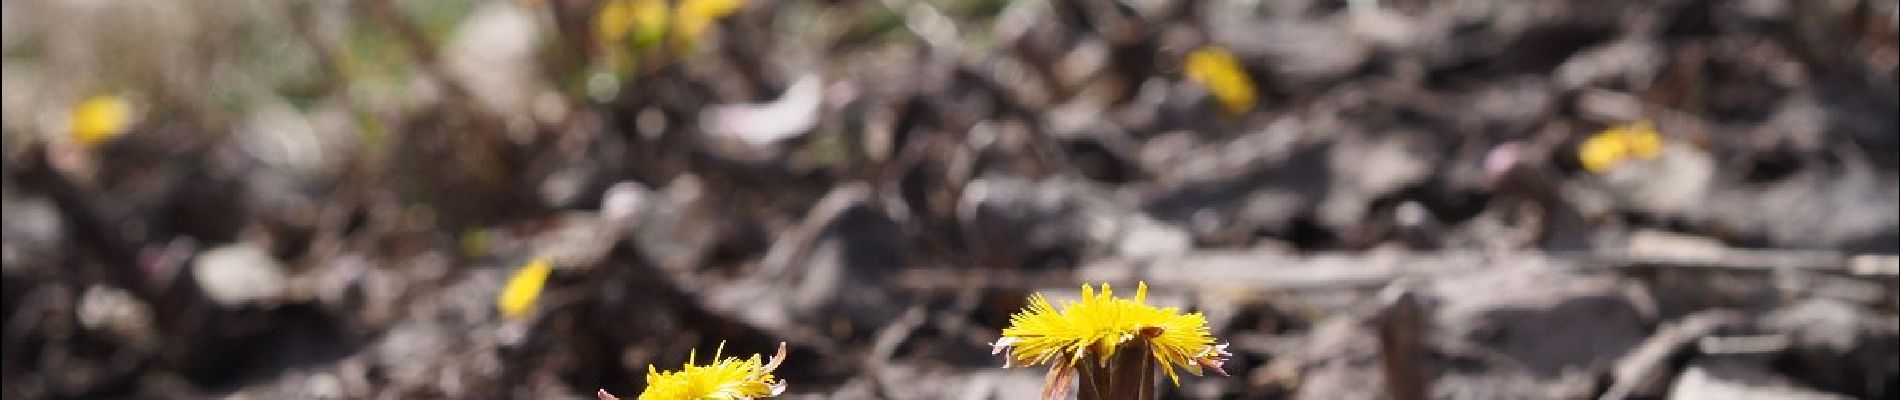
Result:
[1406,199]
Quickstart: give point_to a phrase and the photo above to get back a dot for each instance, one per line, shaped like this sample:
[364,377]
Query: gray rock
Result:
[762,125]
[1826,325]
[1541,326]
[1294,50]
[1839,346]
[1012,221]
[1675,184]
[1850,210]
[1501,332]
[493,56]
[624,201]
[854,247]
[834,263]
[1626,64]
[579,240]
[673,229]
[1365,169]
[117,312]
[1740,380]
[33,231]
[1225,191]
[240,274]
[1341,361]
[283,139]
[1645,371]
[1517,105]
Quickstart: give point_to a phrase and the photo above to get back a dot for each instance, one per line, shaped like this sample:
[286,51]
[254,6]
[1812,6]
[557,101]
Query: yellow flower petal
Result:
[643,22]
[695,16]
[1101,324]
[518,296]
[1619,143]
[1223,76]
[1645,143]
[724,378]
[99,119]
[650,22]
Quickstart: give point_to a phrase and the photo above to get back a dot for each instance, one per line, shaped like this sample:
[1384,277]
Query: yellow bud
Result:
[644,20]
[1645,143]
[650,22]
[1618,143]
[99,119]
[1223,76]
[695,16]
[518,296]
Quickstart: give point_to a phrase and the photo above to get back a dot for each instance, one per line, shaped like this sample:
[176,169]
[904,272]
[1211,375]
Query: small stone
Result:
[1676,183]
[1739,381]
[33,230]
[492,55]
[113,309]
[623,201]
[239,274]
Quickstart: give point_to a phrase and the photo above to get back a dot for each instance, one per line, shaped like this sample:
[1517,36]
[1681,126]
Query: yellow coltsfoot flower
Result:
[523,288]
[1224,77]
[728,378]
[1097,328]
[647,22]
[98,119]
[695,16]
[1620,143]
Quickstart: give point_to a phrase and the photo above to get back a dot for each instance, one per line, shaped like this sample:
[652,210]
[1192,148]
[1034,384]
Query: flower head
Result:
[518,296]
[728,378]
[1224,77]
[100,118]
[695,16]
[1620,143]
[1100,325]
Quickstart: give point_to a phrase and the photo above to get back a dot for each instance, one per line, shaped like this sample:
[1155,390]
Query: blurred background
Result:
[1691,199]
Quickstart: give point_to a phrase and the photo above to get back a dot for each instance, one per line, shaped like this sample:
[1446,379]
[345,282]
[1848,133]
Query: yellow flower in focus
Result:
[518,296]
[1619,143]
[1101,324]
[725,379]
[99,119]
[1223,76]
[695,16]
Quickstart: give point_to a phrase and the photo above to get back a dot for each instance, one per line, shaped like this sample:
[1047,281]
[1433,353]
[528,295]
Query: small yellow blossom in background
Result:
[613,21]
[518,296]
[1101,324]
[99,119]
[1223,76]
[1619,143]
[694,16]
[623,24]
[727,378]
[647,22]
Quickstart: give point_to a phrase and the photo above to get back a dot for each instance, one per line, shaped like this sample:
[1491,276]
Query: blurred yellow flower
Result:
[1101,324]
[1606,149]
[726,378]
[618,21]
[1223,76]
[695,16]
[647,22]
[99,119]
[519,294]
